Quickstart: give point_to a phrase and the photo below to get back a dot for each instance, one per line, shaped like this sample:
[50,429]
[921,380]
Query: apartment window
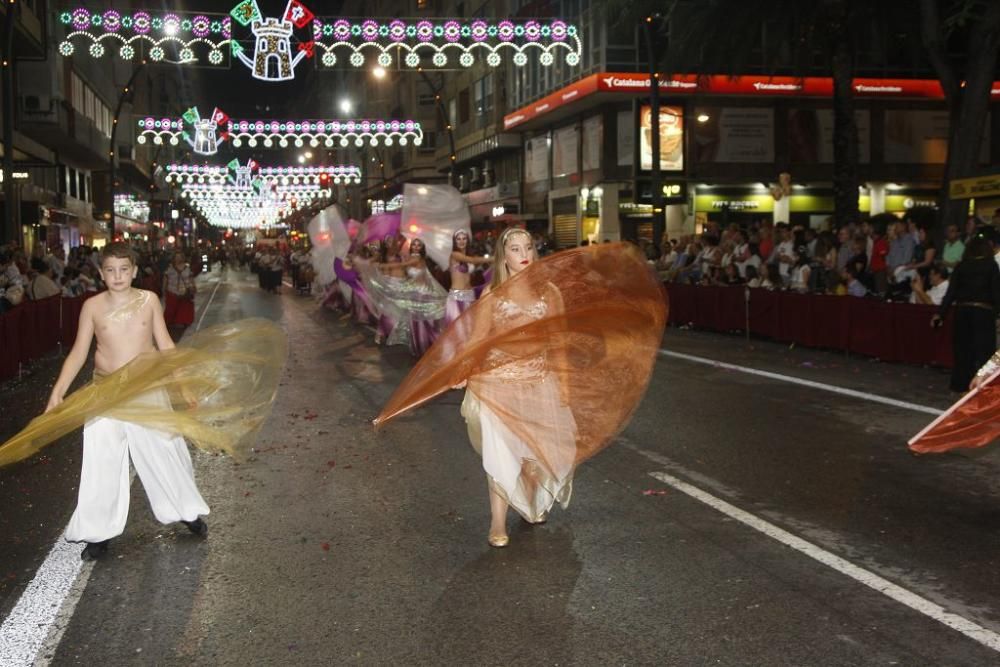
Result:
[73,192]
[453,112]
[76,92]
[88,104]
[463,106]
[482,93]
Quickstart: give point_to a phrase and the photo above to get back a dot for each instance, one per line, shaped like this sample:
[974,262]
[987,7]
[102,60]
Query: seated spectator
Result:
[939,286]
[761,280]
[924,254]
[71,283]
[851,275]
[730,276]
[87,277]
[42,285]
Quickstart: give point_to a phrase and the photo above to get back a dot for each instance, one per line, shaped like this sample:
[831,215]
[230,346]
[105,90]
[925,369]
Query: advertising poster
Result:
[921,137]
[536,160]
[565,145]
[593,138]
[626,138]
[671,138]
[810,135]
[724,134]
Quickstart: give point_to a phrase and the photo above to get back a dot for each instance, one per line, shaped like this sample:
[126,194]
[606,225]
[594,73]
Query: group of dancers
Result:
[392,285]
[554,357]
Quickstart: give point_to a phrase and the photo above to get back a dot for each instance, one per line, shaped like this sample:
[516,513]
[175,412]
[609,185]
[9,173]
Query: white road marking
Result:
[31,633]
[843,391]
[25,630]
[207,305]
[908,598]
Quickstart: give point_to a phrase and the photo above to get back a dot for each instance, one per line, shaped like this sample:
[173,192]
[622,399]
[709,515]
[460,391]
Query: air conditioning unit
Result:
[37,105]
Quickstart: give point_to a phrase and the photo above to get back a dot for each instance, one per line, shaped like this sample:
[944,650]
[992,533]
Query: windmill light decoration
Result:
[276,133]
[241,175]
[280,44]
[207,134]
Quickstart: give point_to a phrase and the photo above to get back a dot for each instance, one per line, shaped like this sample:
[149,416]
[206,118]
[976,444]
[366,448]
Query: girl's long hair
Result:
[500,270]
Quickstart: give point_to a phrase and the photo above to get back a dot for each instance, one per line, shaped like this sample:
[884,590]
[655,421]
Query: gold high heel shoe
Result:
[498,541]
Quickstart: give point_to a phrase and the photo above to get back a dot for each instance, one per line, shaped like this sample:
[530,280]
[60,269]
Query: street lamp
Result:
[346,106]
[379,72]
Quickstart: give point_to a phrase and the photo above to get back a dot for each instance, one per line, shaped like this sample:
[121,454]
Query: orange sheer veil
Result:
[598,339]
[974,421]
[221,383]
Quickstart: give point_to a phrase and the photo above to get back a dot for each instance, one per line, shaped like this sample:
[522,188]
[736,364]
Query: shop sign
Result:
[721,84]
[967,188]
[736,204]
[18,175]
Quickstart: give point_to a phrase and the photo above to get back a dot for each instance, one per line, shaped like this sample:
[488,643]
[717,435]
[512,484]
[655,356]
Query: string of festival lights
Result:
[208,39]
[209,133]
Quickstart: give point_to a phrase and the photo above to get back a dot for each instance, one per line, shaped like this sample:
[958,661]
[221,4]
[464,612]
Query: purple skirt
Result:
[422,335]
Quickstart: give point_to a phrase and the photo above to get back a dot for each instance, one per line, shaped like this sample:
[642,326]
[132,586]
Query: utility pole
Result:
[656,178]
[11,209]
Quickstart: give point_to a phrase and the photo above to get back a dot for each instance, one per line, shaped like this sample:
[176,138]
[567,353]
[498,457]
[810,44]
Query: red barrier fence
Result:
[897,332]
[34,329]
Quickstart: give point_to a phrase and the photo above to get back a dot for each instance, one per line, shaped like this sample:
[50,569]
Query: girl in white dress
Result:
[519,380]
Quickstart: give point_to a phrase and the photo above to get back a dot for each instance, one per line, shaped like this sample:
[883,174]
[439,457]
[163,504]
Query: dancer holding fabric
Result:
[408,297]
[555,357]
[126,323]
[216,389]
[460,266]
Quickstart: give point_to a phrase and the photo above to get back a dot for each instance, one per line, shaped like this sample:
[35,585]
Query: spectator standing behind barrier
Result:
[974,289]
[901,247]
[954,247]
[42,286]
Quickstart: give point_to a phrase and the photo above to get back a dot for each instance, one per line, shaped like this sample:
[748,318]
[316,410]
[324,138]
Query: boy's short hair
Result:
[118,250]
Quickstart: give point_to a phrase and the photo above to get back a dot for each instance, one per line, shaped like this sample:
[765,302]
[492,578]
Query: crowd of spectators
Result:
[49,271]
[885,257]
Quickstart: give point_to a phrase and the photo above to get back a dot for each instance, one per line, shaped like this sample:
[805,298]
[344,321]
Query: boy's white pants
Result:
[162,462]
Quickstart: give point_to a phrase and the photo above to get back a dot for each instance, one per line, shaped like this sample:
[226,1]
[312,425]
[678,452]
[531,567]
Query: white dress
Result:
[520,392]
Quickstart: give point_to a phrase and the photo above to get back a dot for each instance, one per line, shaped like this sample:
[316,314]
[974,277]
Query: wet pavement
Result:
[336,545]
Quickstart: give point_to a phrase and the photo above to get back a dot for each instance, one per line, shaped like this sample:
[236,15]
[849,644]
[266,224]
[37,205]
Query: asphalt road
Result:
[336,545]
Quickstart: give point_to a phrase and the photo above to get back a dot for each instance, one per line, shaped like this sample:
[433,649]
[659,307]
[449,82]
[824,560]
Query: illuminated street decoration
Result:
[409,41]
[208,132]
[241,176]
[230,196]
[280,133]
[325,132]
[279,45]
[129,206]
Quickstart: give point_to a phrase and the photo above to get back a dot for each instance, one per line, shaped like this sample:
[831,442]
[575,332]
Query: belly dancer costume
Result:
[515,471]
[459,300]
[556,359]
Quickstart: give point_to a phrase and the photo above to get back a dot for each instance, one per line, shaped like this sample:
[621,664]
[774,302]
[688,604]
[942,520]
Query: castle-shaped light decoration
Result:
[278,45]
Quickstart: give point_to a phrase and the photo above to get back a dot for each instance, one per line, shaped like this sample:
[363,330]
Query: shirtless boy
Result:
[126,322]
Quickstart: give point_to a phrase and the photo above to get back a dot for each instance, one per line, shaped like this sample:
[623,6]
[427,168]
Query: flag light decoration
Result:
[208,133]
[277,133]
[279,44]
